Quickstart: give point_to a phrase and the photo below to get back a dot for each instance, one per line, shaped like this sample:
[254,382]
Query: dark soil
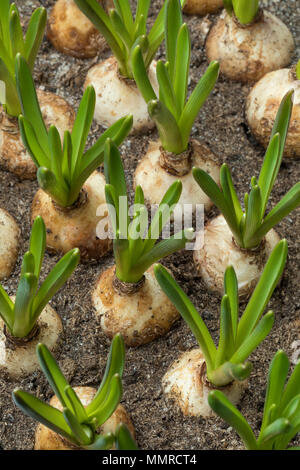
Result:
[221,125]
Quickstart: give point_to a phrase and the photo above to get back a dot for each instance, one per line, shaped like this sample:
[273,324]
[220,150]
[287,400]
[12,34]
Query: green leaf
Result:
[115,365]
[43,413]
[182,66]
[6,309]
[253,217]
[34,35]
[168,129]
[83,434]
[38,244]
[228,6]
[162,249]
[231,290]
[120,28]
[269,171]
[124,439]
[113,168]
[245,10]
[275,429]
[112,400]
[82,125]
[48,182]
[124,9]
[23,323]
[54,375]
[226,342]
[229,192]
[55,280]
[173,23]
[29,102]
[188,312]
[292,388]
[197,99]
[16,33]
[282,122]
[259,333]
[212,190]
[287,204]
[79,410]
[263,291]
[141,76]
[278,371]
[31,142]
[298,70]
[224,408]
[166,91]
[103,442]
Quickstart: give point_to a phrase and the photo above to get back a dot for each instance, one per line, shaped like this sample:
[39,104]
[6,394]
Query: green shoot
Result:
[244,10]
[250,226]
[298,70]
[13,42]
[135,253]
[124,440]
[77,424]
[123,31]
[21,315]
[238,337]
[173,114]
[281,417]
[62,168]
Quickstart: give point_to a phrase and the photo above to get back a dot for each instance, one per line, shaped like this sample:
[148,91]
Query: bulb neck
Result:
[177,165]
[127,288]
[14,342]
[257,19]
[80,202]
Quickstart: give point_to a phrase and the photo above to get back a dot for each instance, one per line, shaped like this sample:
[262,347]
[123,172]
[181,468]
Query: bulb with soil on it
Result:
[72,33]
[75,226]
[185,383]
[263,103]
[140,311]
[46,439]
[9,247]
[13,155]
[18,355]
[118,96]
[220,250]
[246,52]
[158,169]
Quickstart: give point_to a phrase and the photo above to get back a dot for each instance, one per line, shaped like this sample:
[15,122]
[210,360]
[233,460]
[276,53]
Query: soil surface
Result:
[221,125]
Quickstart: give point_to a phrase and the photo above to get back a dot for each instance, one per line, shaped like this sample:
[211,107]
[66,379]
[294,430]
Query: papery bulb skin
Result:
[186,385]
[140,317]
[75,227]
[72,33]
[117,96]
[220,251]
[263,103]
[18,357]
[247,53]
[155,180]
[13,155]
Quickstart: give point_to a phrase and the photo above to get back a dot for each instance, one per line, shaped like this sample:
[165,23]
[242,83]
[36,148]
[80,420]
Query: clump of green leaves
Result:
[135,253]
[281,417]
[62,168]
[173,114]
[250,226]
[245,10]
[13,42]
[77,424]
[238,337]
[21,315]
[123,32]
